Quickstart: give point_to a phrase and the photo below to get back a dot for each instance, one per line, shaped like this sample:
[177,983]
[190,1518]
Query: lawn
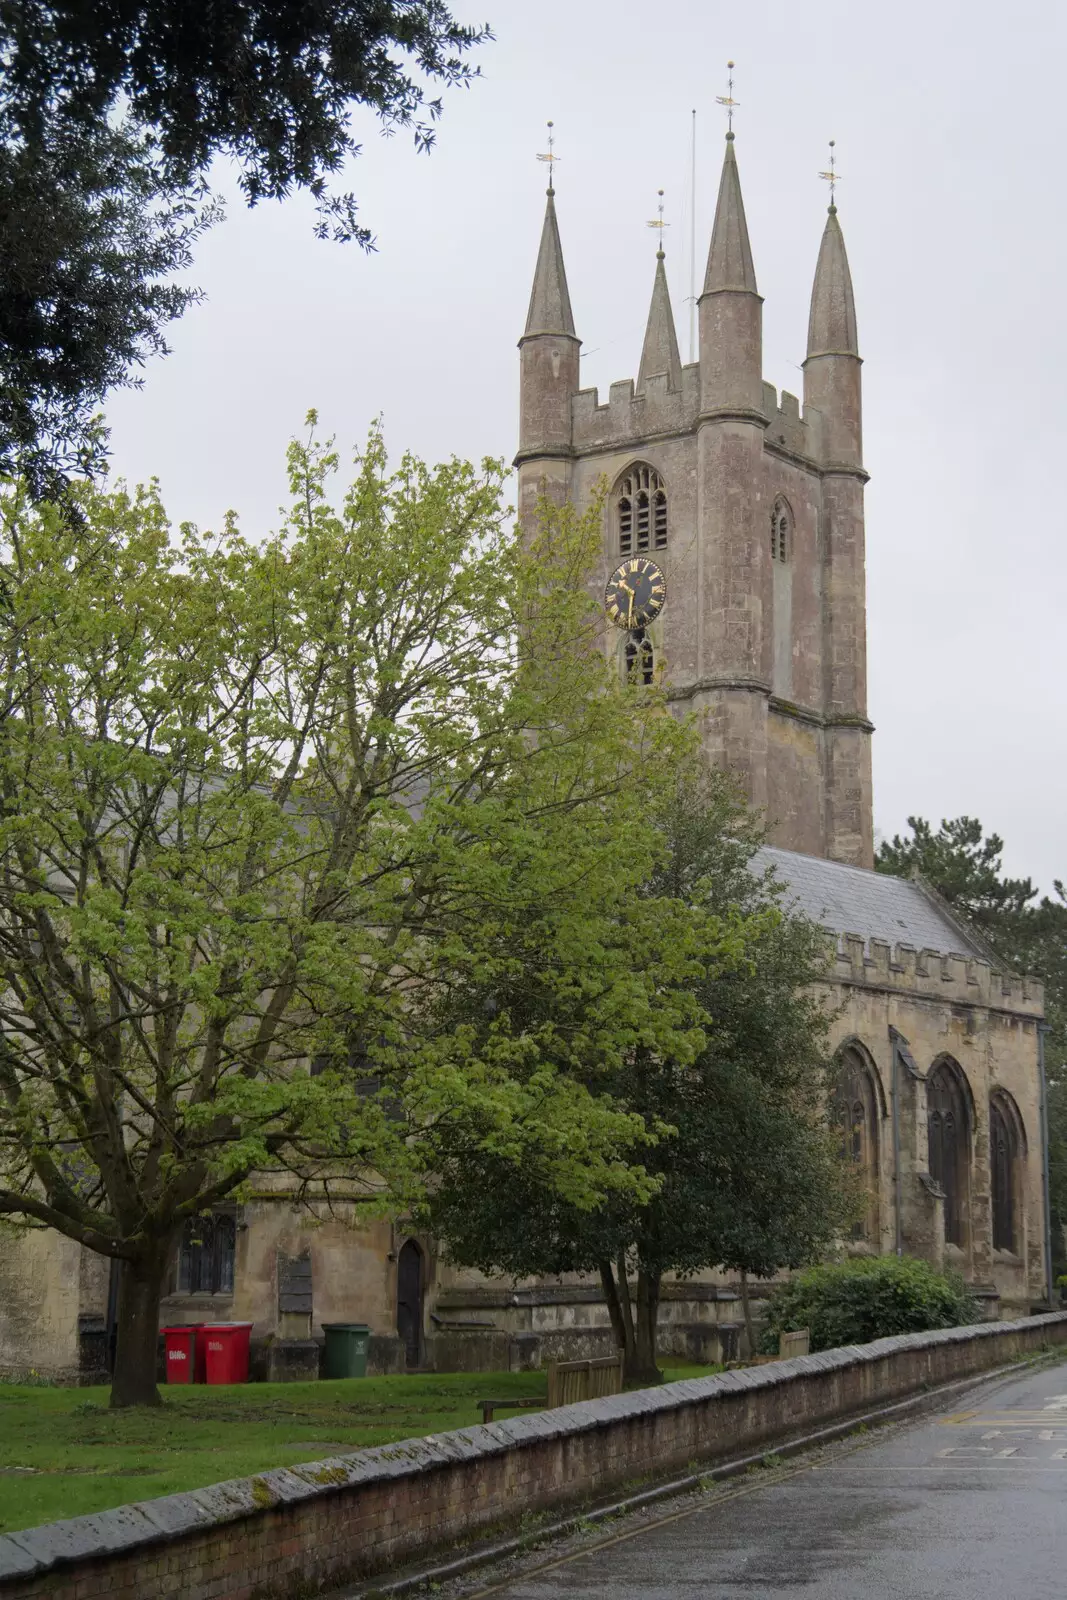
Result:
[63,1453]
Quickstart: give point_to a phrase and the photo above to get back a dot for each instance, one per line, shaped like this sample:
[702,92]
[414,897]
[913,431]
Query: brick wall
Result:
[304,1528]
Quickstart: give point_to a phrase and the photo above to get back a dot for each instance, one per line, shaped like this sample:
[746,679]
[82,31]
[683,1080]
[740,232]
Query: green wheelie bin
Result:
[346,1349]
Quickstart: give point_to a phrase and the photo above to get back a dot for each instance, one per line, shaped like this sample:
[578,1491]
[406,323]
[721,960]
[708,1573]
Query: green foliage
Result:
[85,299]
[269,804]
[745,1174]
[868,1297]
[1028,934]
[962,864]
[271,83]
[111,117]
[63,1453]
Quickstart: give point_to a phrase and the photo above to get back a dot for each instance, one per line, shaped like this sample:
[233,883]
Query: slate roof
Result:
[853,900]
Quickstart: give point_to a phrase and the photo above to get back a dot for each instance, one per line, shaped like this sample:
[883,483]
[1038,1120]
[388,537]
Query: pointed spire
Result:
[832,323]
[730,257]
[659,355]
[550,303]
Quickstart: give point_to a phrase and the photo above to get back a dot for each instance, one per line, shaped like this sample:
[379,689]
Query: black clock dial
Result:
[635,593]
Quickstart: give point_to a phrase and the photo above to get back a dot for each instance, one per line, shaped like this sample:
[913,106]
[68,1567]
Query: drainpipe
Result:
[895,1096]
[1042,1029]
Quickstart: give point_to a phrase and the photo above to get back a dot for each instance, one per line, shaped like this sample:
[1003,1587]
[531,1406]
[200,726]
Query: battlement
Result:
[785,425]
[962,980]
[628,418]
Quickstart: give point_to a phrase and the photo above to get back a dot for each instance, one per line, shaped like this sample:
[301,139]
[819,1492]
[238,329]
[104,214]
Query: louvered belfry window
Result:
[641,512]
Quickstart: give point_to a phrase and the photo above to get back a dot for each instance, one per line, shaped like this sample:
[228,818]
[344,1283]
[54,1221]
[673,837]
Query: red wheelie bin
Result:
[182,1349]
[226,1351]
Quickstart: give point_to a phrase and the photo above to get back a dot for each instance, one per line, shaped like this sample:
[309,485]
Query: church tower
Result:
[751,508]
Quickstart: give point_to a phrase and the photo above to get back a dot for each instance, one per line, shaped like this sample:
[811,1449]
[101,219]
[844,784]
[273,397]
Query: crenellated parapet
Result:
[786,429]
[629,419]
[931,974]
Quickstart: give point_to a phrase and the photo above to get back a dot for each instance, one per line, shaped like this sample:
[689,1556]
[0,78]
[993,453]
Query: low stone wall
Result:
[297,1530]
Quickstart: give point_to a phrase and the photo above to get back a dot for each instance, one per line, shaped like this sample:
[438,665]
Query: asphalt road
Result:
[960,1505]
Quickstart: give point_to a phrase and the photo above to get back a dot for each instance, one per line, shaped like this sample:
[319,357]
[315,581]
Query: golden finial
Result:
[660,224]
[551,157]
[831,175]
[728,100]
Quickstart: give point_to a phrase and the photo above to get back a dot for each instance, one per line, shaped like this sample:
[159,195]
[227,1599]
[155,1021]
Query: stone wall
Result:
[362,1514]
[49,1287]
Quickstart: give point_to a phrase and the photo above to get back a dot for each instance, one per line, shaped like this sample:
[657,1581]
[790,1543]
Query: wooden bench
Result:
[513,1403]
[568,1381]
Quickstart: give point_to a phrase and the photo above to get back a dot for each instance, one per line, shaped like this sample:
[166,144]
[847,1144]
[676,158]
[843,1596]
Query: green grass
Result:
[86,1458]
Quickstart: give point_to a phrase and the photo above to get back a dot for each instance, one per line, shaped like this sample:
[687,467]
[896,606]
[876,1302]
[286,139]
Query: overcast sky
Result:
[950,124]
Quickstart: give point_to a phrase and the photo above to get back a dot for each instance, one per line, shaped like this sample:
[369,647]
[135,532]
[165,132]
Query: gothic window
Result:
[949,1142]
[641,512]
[855,1115]
[781,532]
[206,1256]
[640,659]
[1003,1168]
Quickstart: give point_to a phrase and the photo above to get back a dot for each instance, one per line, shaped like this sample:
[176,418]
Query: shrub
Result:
[870,1297]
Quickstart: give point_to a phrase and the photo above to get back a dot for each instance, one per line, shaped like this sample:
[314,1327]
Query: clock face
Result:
[635,593]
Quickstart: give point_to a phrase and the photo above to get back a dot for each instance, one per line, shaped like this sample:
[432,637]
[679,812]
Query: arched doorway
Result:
[409,1301]
[948,1127]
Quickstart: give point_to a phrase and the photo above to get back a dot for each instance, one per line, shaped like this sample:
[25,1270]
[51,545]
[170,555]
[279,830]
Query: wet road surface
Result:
[962,1505]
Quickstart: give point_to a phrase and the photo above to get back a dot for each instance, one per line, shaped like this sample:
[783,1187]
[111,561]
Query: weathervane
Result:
[728,100]
[551,158]
[832,176]
[660,224]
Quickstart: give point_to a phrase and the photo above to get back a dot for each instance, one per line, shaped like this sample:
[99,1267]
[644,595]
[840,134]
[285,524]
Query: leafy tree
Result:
[1027,933]
[964,866]
[90,240]
[260,805]
[271,83]
[868,1297]
[111,117]
[748,1175]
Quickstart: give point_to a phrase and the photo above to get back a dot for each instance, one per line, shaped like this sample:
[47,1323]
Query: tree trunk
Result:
[133,1382]
[643,1373]
[611,1299]
[618,1296]
[746,1311]
[627,1311]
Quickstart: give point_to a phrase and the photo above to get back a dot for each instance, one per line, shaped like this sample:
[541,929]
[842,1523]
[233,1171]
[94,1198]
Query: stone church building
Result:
[750,508]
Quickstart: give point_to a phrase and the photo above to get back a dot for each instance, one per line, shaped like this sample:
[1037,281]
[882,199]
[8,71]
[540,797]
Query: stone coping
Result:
[125,1530]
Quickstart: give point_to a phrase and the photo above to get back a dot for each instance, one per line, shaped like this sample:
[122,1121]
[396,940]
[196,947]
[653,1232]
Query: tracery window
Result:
[1003,1159]
[206,1256]
[640,657]
[949,1144]
[781,532]
[855,1114]
[641,512]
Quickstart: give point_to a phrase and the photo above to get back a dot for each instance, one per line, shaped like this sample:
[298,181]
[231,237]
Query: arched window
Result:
[781,532]
[640,658]
[949,1144]
[1004,1151]
[206,1256]
[641,512]
[855,1110]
